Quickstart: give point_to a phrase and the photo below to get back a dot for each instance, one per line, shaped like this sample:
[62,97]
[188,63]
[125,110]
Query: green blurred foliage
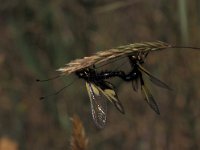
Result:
[37,37]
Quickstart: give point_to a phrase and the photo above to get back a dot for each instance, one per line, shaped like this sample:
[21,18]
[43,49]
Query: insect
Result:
[136,76]
[99,90]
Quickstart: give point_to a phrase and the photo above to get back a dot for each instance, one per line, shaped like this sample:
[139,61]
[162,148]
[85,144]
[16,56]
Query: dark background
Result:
[37,37]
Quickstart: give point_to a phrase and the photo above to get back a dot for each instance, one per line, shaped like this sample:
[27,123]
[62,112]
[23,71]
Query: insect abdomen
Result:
[110,74]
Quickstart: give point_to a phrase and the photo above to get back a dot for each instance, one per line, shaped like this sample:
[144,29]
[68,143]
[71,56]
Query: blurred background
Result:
[37,37]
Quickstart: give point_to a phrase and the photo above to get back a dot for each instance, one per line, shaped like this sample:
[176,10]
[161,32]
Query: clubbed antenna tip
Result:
[41,98]
[56,93]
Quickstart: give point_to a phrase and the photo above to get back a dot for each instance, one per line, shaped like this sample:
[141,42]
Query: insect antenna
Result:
[56,93]
[52,78]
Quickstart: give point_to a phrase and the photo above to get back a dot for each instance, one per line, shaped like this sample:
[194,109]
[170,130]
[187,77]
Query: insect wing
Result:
[149,99]
[135,84]
[154,80]
[109,92]
[98,104]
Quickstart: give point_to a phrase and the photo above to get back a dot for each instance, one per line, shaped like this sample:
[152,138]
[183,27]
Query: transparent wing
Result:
[98,105]
[150,100]
[149,97]
[108,91]
[154,80]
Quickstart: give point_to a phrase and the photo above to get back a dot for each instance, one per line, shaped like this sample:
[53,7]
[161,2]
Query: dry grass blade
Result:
[79,141]
[103,56]
[8,144]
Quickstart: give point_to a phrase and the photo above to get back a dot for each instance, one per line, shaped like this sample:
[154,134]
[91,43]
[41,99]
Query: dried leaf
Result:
[8,144]
[79,141]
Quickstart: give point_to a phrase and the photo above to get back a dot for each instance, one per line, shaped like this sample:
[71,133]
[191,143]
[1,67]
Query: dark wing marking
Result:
[109,92]
[149,97]
[98,104]
[153,79]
